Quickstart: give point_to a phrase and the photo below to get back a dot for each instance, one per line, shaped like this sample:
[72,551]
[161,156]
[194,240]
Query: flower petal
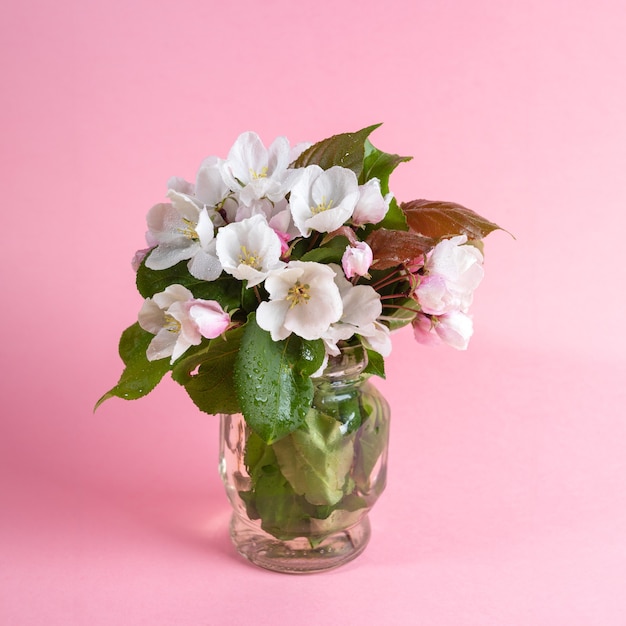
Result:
[210,317]
[168,255]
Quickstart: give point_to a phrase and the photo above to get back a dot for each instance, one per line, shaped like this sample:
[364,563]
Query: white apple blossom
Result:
[357,259]
[210,192]
[278,216]
[323,200]
[181,231]
[452,271]
[182,186]
[377,337]
[179,321]
[249,250]
[255,171]
[304,300]
[371,206]
[280,220]
[454,329]
[361,309]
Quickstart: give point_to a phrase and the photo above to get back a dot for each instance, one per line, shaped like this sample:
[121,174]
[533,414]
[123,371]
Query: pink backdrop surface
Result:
[506,502]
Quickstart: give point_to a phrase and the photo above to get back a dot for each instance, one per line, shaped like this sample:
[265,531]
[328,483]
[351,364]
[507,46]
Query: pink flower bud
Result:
[357,260]
[209,316]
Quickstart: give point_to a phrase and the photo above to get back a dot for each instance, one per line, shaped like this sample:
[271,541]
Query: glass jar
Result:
[301,504]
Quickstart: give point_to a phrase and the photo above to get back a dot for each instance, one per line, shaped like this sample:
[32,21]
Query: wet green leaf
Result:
[211,387]
[272,380]
[140,376]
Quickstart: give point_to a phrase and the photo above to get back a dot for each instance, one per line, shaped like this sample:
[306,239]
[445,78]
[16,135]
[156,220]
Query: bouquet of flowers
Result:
[260,271]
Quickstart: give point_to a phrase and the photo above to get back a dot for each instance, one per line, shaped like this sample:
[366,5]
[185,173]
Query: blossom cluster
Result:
[255,218]
[451,273]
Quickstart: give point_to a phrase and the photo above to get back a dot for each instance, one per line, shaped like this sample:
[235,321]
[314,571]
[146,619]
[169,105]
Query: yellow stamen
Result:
[261,174]
[189,230]
[250,258]
[298,294]
[171,324]
[322,206]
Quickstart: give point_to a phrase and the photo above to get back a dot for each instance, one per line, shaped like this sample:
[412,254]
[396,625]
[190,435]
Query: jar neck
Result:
[345,368]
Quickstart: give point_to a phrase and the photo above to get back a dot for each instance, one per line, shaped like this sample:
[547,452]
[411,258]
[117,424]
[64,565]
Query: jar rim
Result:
[349,363]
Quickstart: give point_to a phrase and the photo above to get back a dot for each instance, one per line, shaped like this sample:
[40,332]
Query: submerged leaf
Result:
[371,445]
[316,459]
[283,513]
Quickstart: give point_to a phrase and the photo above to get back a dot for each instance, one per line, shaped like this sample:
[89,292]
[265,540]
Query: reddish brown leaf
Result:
[436,219]
[396,247]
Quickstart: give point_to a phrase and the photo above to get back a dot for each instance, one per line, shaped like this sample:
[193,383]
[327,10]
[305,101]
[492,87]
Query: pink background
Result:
[506,502]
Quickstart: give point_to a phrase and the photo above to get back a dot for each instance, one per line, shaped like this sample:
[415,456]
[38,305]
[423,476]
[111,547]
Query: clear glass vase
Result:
[301,504]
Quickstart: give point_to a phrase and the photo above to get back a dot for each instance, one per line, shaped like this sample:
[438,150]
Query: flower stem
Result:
[402,307]
[396,277]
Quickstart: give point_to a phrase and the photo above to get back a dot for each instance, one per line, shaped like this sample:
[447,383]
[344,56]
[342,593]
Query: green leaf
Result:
[272,380]
[282,512]
[370,444]
[226,290]
[375,364]
[211,388]
[300,246]
[344,514]
[316,459]
[346,150]
[329,253]
[140,376]
[342,406]
[249,301]
[394,218]
[258,457]
[378,164]
[437,220]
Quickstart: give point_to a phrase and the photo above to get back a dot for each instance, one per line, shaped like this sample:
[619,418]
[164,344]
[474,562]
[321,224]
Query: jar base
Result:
[298,556]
